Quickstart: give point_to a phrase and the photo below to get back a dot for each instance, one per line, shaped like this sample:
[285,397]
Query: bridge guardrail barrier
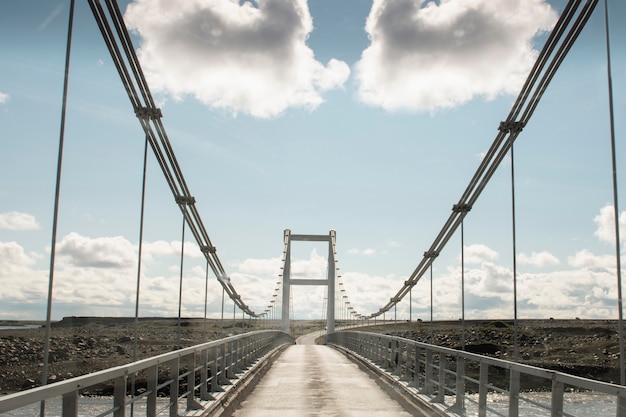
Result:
[189,379]
[445,376]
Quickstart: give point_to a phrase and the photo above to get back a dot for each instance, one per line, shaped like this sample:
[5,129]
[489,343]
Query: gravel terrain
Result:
[78,346]
[587,348]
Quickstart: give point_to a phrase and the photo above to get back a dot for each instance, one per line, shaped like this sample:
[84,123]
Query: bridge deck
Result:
[314,380]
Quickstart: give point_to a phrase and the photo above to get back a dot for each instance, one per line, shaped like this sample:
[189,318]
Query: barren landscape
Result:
[80,345]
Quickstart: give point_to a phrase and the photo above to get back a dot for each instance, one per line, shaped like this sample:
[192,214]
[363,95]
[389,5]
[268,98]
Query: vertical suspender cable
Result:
[615,200]
[206,298]
[410,305]
[462,287]
[139,256]
[46,349]
[514,237]
[223,291]
[395,313]
[180,285]
[431,305]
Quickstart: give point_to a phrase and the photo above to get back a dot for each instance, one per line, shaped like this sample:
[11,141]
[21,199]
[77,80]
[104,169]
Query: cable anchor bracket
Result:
[511,127]
[148,113]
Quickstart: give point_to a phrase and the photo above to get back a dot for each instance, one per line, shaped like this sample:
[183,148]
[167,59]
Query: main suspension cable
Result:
[118,42]
[557,45]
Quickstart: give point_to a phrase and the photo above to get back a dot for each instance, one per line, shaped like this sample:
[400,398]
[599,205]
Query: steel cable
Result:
[535,85]
[150,119]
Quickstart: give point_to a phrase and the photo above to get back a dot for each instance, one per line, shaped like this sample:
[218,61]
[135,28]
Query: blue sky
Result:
[367,118]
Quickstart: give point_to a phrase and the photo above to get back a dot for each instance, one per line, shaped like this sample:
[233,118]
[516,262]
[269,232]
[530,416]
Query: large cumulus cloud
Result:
[425,56]
[238,57]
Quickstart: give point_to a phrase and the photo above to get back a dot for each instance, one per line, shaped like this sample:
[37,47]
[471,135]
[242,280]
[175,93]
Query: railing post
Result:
[621,406]
[215,372]
[483,380]
[70,404]
[251,348]
[245,353]
[397,357]
[416,367]
[174,372]
[204,376]
[428,373]
[441,392]
[152,383]
[232,368]
[459,404]
[224,373]
[192,404]
[514,386]
[236,348]
[119,396]
[556,406]
[404,362]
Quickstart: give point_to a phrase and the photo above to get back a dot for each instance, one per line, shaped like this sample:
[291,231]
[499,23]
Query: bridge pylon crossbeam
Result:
[329,281]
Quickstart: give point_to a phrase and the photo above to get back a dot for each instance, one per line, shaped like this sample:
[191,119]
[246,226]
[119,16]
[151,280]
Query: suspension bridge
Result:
[264,372]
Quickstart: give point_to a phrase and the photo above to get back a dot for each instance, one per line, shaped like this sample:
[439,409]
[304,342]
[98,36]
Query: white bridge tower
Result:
[329,281]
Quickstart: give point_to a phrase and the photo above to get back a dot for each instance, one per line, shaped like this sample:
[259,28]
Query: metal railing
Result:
[455,381]
[184,381]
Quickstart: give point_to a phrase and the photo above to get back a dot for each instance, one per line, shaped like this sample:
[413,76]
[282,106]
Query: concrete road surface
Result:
[315,380]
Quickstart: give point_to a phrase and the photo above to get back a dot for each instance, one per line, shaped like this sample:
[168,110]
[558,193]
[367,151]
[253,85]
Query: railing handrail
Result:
[592,384]
[46,392]
[393,354]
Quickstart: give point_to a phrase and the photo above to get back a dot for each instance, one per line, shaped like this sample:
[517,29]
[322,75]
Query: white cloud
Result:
[425,56]
[367,293]
[606,224]
[4,97]
[585,259]
[261,266]
[538,259]
[478,253]
[97,276]
[14,220]
[23,286]
[103,252]
[364,252]
[14,260]
[160,248]
[233,56]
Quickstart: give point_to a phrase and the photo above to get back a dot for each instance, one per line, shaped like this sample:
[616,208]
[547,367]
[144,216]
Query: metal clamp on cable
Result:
[431,254]
[512,127]
[183,199]
[149,113]
[461,208]
[208,249]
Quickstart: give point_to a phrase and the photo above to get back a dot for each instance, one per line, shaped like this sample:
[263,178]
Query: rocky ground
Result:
[78,346]
[83,345]
[587,348]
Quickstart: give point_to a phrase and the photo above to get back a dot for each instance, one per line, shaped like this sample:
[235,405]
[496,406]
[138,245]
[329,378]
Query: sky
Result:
[365,117]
